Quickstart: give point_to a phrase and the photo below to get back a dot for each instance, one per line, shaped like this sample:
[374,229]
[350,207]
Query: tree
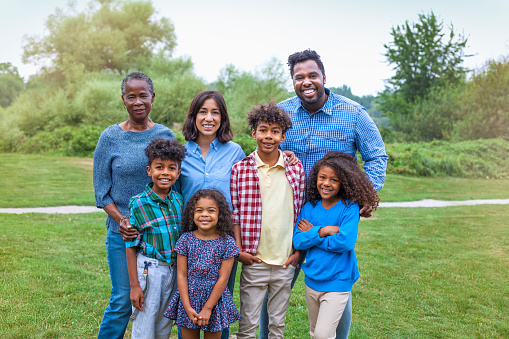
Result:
[425,59]
[11,84]
[110,35]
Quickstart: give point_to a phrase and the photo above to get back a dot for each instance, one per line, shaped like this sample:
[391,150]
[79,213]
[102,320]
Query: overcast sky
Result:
[349,35]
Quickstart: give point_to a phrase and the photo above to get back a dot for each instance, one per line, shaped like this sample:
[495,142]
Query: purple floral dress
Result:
[204,259]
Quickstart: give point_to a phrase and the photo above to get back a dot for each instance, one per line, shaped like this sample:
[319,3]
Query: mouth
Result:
[309,92]
[164,180]
[267,145]
[326,190]
[208,127]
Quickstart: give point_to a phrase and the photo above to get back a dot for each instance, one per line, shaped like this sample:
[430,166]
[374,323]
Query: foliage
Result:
[247,143]
[467,159]
[109,35]
[11,84]
[242,90]
[425,59]
[366,100]
[478,108]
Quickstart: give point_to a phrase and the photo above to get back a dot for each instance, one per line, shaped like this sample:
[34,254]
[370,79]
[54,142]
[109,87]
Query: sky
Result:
[348,35]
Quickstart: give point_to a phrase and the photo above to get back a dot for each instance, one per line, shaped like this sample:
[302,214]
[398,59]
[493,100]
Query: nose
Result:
[306,81]
[208,117]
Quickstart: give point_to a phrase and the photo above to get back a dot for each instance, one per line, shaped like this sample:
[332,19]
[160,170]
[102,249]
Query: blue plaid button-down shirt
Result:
[340,125]
[158,222]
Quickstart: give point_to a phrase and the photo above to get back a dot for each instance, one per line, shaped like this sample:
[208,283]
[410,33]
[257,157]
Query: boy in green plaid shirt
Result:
[151,260]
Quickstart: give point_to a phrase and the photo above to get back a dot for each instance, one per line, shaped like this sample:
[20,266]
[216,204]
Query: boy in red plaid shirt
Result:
[267,195]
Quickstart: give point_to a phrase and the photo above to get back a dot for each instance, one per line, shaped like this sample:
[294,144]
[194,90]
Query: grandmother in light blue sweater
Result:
[120,173]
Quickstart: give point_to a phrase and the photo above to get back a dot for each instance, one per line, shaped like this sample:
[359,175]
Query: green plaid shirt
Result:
[158,222]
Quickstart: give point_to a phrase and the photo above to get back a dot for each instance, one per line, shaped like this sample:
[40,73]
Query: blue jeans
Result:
[341,331]
[117,313]
[230,286]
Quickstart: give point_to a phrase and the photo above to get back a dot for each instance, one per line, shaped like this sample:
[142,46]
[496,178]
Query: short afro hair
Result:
[269,113]
[136,76]
[305,55]
[165,149]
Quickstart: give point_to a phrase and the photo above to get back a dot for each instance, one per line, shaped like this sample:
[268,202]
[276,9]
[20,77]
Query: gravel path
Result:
[421,203]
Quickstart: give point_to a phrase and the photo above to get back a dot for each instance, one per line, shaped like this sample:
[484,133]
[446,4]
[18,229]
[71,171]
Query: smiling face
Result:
[164,173]
[328,185]
[308,83]
[268,137]
[138,100]
[208,119]
[206,214]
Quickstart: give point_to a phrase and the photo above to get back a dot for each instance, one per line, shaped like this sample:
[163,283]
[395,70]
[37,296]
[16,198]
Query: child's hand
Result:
[137,298]
[248,259]
[304,225]
[328,230]
[193,316]
[293,260]
[204,317]
[127,232]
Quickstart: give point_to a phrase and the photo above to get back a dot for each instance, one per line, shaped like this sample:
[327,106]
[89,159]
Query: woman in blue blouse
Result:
[120,173]
[210,153]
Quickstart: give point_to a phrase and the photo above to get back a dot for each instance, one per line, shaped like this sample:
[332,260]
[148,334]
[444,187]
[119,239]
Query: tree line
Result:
[85,55]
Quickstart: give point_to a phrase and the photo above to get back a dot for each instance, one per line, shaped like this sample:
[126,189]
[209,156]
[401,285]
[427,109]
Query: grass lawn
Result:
[58,181]
[425,273]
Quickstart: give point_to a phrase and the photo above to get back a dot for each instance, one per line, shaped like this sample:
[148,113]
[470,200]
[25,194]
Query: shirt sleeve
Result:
[348,228]
[235,196]
[134,223]
[181,247]
[371,146]
[310,238]
[102,174]
[231,250]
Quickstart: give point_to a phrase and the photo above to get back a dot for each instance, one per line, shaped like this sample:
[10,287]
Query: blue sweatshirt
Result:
[331,265]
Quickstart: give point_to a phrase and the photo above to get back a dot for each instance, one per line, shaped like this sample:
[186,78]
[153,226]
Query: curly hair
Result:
[165,149]
[269,113]
[354,183]
[136,76]
[190,131]
[224,223]
[305,55]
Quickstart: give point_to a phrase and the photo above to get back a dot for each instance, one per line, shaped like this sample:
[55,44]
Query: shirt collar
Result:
[195,148]
[153,195]
[326,108]
[259,163]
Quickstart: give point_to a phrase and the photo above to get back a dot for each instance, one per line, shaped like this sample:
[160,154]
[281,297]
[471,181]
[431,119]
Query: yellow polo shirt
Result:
[275,245]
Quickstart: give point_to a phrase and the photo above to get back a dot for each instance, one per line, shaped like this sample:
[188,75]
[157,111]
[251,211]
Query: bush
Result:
[468,159]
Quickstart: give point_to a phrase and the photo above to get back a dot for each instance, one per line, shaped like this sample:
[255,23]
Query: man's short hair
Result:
[305,55]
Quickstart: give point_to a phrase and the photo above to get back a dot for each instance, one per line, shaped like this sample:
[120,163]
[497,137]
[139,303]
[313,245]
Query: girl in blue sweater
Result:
[327,229]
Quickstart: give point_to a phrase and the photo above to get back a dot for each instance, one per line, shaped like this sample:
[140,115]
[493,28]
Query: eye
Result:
[216,112]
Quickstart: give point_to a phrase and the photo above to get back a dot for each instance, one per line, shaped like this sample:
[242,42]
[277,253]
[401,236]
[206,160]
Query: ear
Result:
[323,79]
[149,172]
[178,174]
[253,133]
[283,137]
[154,96]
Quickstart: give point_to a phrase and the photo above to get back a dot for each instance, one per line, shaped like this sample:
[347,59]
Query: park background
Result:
[437,272]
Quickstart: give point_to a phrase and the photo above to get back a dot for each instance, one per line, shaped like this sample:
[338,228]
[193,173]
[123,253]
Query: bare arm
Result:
[183,285]
[217,291]
[137,298]
[127,232]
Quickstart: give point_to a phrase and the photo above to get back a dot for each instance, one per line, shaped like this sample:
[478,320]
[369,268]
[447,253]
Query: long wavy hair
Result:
[354,183]
[224,221]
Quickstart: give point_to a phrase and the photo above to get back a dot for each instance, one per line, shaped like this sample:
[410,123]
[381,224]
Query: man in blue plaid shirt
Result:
[321,122]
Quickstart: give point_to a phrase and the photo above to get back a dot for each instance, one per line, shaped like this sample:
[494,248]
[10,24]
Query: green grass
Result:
[28,180]
[41,180]
[425,273]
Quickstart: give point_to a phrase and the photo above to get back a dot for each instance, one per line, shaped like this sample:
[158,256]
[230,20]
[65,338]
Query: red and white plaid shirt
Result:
[247,199]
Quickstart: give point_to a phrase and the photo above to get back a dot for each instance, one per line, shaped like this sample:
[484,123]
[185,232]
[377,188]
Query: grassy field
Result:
[42,180]
[425,272]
